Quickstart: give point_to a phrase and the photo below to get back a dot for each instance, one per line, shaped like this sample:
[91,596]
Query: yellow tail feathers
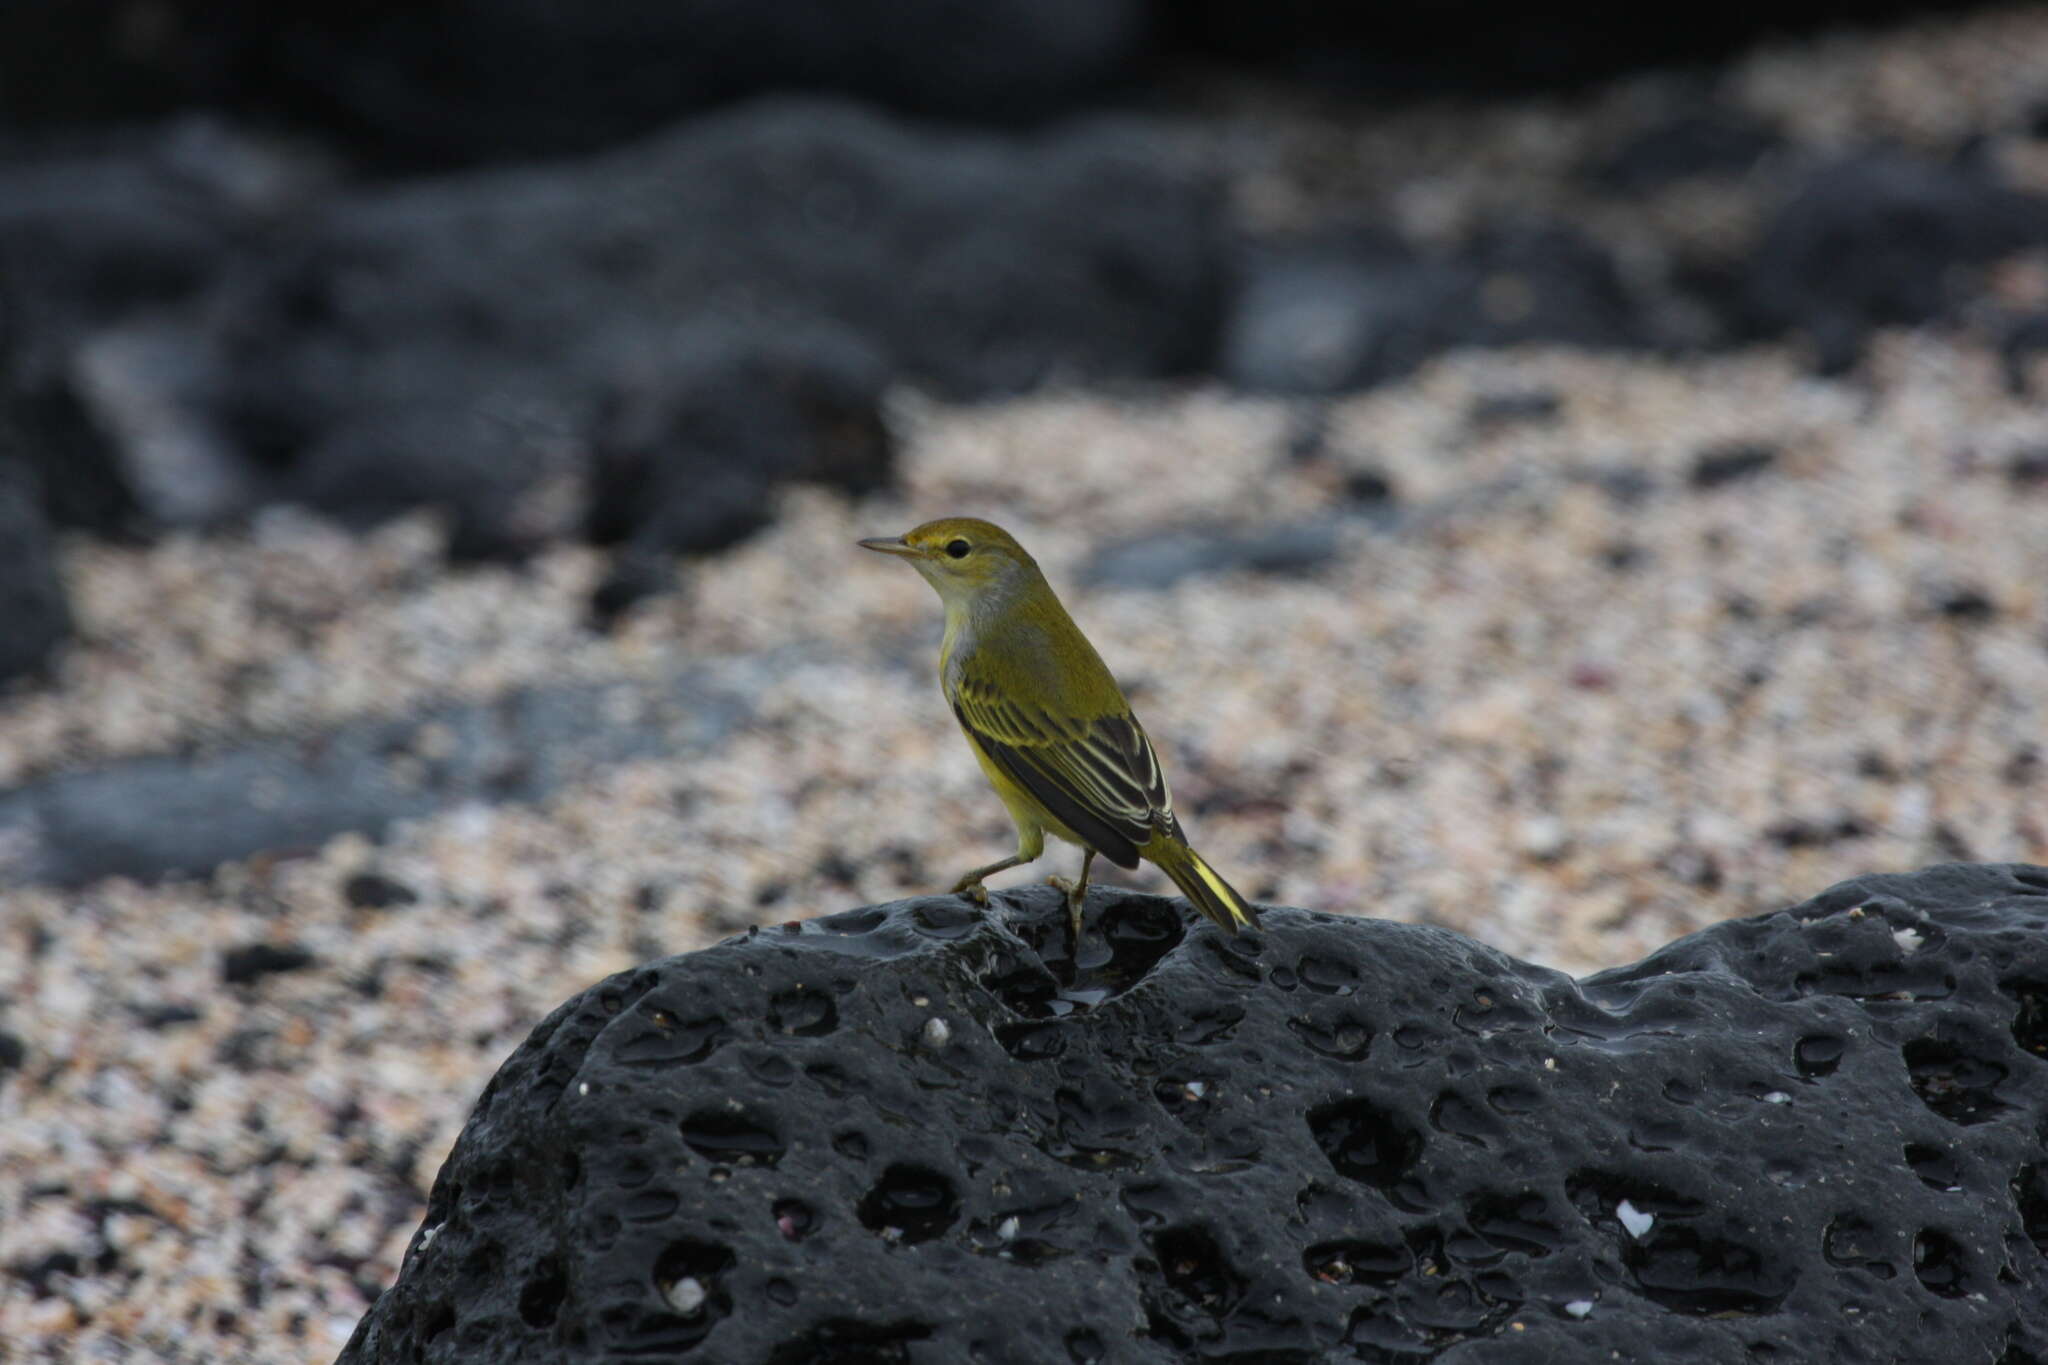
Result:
[1203,886]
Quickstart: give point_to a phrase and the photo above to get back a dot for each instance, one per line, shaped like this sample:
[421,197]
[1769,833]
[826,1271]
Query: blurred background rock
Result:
[1569,479]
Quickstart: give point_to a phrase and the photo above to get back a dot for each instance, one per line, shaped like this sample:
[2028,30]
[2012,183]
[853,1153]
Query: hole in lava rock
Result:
[1454,1114]
[1343,1036]
[1024,986]
[1688,1271]
[1936,1166]
[848,1341]
[435,1319]
[1374,1263]
[673,1044]
[1140,931]
[2030,1023]
[2030,1196]
[1032,1040]
[1953,1079]
[1182,1094]
[540,1299]
[1853,1242]
[1327,975]
[916,1201]
[1513,1099]
[1596,1194]
[1198,1027]
[732,1139]
[1150,1205]
[1364,1141]
[1938,1264]
[687,1275]
[1195,1269]
[1100,1127]
[1817,1056]
[1515,1222]
[946,919]
[1084,1347]
[794,1219]
[649,1206]
[804,1011]
[853,921]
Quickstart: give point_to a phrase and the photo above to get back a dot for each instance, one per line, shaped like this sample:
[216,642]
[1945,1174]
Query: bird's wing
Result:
[1096,775]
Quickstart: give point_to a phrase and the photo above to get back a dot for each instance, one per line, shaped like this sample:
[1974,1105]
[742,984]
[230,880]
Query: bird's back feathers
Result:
[1043,707]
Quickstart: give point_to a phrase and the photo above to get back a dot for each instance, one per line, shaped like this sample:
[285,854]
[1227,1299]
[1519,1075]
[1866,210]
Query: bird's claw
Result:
[974,891]
[1075,893]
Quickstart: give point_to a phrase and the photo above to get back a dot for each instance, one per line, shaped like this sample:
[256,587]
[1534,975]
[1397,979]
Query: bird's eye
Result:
[958,548]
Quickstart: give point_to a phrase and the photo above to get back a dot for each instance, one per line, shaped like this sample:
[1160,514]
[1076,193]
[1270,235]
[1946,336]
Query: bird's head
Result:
[965,558]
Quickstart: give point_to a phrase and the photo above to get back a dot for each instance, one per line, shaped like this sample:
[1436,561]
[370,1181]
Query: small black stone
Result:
[1968,604]
[1522,405]
[166,1015]
[374,891]
[2028,468]
[1368,486]
[1725,464]
[252,962]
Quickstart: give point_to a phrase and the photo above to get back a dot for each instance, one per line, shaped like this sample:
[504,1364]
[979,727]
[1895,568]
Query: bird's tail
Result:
[1203,886]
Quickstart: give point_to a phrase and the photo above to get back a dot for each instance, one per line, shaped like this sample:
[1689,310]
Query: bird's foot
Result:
[972,888]
[1076,893]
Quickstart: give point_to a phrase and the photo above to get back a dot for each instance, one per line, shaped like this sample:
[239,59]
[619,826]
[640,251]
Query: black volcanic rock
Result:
[1873,240]
[451,341]
[34,614]
[1467,47]
[1349,310]
[694,444]
[449,81]
[923,1132]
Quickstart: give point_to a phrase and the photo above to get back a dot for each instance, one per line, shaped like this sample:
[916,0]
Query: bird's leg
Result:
[1077,893]
[970,885]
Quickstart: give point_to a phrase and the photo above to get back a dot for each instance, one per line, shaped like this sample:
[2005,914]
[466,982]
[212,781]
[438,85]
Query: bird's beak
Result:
[889,545]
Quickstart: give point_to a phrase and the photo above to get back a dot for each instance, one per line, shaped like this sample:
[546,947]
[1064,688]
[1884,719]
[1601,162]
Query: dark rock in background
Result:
[34,618]
[1428,49]
[451,341]
[1164,558]
[447,82]
[1703,139]
[170,815]
[694,445]
[1350,311]
[926,1132]
[1873,241]
[97,230]
[456,81]
[203,316]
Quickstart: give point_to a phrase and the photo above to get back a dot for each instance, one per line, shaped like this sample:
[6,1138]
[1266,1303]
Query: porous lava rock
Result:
[927,1132]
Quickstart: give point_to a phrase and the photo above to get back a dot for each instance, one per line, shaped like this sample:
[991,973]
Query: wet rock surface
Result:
[922,1132]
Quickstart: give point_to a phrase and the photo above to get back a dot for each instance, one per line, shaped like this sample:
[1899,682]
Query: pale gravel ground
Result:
[1473,721]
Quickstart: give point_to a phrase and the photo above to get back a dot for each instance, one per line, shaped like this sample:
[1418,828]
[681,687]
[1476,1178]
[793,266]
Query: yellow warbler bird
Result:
[1048,722]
